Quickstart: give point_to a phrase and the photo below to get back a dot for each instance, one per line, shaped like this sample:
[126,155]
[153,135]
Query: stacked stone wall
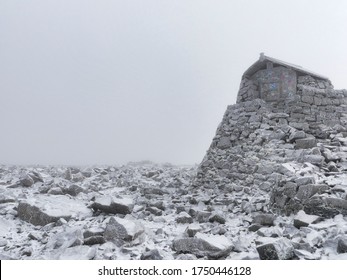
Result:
[284,152]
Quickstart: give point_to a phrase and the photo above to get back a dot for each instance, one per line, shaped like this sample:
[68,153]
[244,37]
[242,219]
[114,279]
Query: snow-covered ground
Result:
[150,211]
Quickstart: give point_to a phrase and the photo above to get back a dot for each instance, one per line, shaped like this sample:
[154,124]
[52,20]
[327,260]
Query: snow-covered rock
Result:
[123,229]
[204,245]
[113,205]
[42,209]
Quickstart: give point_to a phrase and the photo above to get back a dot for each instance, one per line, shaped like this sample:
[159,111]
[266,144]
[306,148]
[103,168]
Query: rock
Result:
[218,218]
[92,240]
[42,209]
[297,135]
[224,143]
[306,191]
[26,180]
[123,229]
[82,252]
[342,245]
[154,210]
[202,216]
[151,255]
[303,220]
[184,218]
[186,257]
[254,227]
[36,176]
[303,254]
[264,219]
[112,205]
[55,191]
[305,143]
[94,231]
[336,202]
[278,249]
[69,238]
[305,180]
[73,190]
[314,159]
[203,245]
[192,229]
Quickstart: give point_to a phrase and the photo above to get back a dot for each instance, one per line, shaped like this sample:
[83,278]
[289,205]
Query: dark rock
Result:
[113,205]
[73,190]
[151,255]
[96,231]
[154,210]
[218,218]
[26,180]
[202,245]
[279,249]
[307,191]
[305,143]
[342,245]
[184,218]
[254,227]
[123,229]
[264,219]
[92,240]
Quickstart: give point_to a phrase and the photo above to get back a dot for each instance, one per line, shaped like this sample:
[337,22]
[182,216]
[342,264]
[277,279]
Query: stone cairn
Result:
[287,156]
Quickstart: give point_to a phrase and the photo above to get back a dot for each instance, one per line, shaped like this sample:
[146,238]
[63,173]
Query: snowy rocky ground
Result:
[149,211]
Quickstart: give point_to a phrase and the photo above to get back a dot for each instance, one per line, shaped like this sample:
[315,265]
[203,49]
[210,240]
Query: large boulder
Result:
[43,209]
[203,245]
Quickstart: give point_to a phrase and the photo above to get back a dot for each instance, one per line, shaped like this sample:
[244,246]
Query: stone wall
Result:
[284,153]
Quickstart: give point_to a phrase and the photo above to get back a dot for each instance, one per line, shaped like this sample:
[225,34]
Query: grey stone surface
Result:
[123,229]
[43,210]
[203,245]
[113,205]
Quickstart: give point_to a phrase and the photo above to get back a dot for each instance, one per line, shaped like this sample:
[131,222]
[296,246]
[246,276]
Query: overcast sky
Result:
[107,82]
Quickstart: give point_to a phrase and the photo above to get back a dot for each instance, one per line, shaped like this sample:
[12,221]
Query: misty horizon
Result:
[107,83]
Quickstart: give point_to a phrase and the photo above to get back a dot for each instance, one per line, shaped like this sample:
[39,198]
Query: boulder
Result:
[306,191]
[303,220]
[305,143]
[203,245]
[73,190]
[113,205]
[276,249]
[154,210]
[192,229]
[184,218]
[218,218]
[43,209]
[26,180]
[151,255]
[68,238]
[123,229]
[264,219]
[342,245]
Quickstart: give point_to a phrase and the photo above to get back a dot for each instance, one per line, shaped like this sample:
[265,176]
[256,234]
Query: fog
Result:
[108,82]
